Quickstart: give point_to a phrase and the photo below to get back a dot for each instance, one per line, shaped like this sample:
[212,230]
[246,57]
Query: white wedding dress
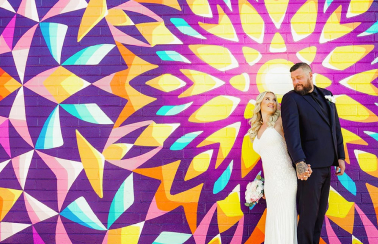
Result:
[280,188]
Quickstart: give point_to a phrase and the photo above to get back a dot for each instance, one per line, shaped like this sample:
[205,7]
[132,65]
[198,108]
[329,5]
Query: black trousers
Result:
[312,200]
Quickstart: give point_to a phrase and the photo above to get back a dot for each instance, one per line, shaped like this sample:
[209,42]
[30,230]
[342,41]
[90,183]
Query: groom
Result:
[313,136]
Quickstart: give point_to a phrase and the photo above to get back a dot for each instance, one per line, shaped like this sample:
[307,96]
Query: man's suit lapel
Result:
[316,107]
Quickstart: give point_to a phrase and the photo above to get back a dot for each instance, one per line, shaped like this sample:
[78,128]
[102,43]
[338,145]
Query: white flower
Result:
[330,98]
[254,191]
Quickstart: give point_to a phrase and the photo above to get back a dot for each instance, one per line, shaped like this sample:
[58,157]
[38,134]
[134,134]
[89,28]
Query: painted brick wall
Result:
[126,121]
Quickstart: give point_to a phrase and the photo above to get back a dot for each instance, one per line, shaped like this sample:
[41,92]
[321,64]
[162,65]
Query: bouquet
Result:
[254,191]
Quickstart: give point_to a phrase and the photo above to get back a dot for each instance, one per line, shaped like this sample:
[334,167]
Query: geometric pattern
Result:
[126,121]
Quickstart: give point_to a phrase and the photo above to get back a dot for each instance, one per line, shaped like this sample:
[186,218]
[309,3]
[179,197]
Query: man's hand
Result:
[341,168]
[303,170]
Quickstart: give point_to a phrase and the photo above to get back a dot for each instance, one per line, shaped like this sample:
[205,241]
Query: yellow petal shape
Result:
[277,10]
[361,82]
[7,84]
[251,55]
[156,33]
[351,138]
[248,112]
[125,235]
[170,3]
[116,151]
[340,211]
[93,162]
[304,21]
[217,57]
[278,44]
[62,84]
[155,135]
[199,165]
[249,157]
[228,210]
[307,55]
[118,17]
[94,13]
[343,57]
[224,29]
[240,82]
[357,7]
[8,198]
[368,162]
[274,76]
[166,83]
[373,192]
[200,7]
[218,108]
[321,80]
[350,109]
[252,23]
[333,29]
[202,82]
[216,240]
[226,138]
[355,240]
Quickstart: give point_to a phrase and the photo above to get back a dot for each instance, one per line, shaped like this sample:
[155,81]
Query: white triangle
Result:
[37,211]
[20,57]
[18,107]
[21,165]
[6,5]
[28,9]
[4,164]
[74,5]
[9,229]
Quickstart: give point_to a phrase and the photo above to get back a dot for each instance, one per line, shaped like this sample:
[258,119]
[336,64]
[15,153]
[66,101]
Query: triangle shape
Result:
[54,35]
[61,233]
[65,6]
[21,166]
[4,164]
[37,211]
[4,137]
[6,5]
[9,229]
[51,134]
[36,84]
[8,32]
[36,237]
[28,9]
[8,198]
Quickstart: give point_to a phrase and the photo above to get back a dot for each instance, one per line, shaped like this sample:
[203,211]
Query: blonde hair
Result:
[256,120]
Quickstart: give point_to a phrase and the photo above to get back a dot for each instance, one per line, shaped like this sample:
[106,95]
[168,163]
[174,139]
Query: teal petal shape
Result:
[54,35]
[90,55]
[51,133]
[348,183]
[372,30]
[372,134]
[327,3]
[122,200]
[80,212]
[166,237]
[185,28]
[183,141]
[228,3]
[172,110]
[375,61]
[172,56]
[90,112]
[223,180]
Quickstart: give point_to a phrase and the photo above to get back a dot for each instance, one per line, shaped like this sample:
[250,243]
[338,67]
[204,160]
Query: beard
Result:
[306,88]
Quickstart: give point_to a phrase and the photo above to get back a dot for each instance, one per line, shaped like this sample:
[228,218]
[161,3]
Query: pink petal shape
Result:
[37,239]
[118,133]
[4,137]
[105,240]
[3,46]
[104,83]
[21,166]
[28,9]
[18,118]
[21,51]
[61,234]
[371,230]
[121,37]
[66,172]
[201,231]
[9,31]
[37,211]
[154,211]
[36,84]
[139,8]
[332,237]
[238,235]
[65,6]
[135,162]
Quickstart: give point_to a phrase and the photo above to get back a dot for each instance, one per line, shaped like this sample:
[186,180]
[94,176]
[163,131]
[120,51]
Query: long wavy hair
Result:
[256,120]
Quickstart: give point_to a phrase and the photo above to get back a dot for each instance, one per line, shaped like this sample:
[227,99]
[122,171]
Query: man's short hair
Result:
[304,66]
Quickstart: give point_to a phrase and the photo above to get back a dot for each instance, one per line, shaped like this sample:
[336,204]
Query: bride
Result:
[280,186]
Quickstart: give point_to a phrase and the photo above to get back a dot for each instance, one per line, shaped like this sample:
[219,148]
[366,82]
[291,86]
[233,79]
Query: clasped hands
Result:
[303,170]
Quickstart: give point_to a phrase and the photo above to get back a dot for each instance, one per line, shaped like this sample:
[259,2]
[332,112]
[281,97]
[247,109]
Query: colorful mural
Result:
[125,121]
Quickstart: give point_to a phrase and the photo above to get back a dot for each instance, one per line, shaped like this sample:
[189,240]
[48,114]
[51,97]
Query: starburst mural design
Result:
[126,121]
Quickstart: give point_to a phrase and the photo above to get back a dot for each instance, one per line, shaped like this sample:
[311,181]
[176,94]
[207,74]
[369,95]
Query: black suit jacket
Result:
[309,134]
